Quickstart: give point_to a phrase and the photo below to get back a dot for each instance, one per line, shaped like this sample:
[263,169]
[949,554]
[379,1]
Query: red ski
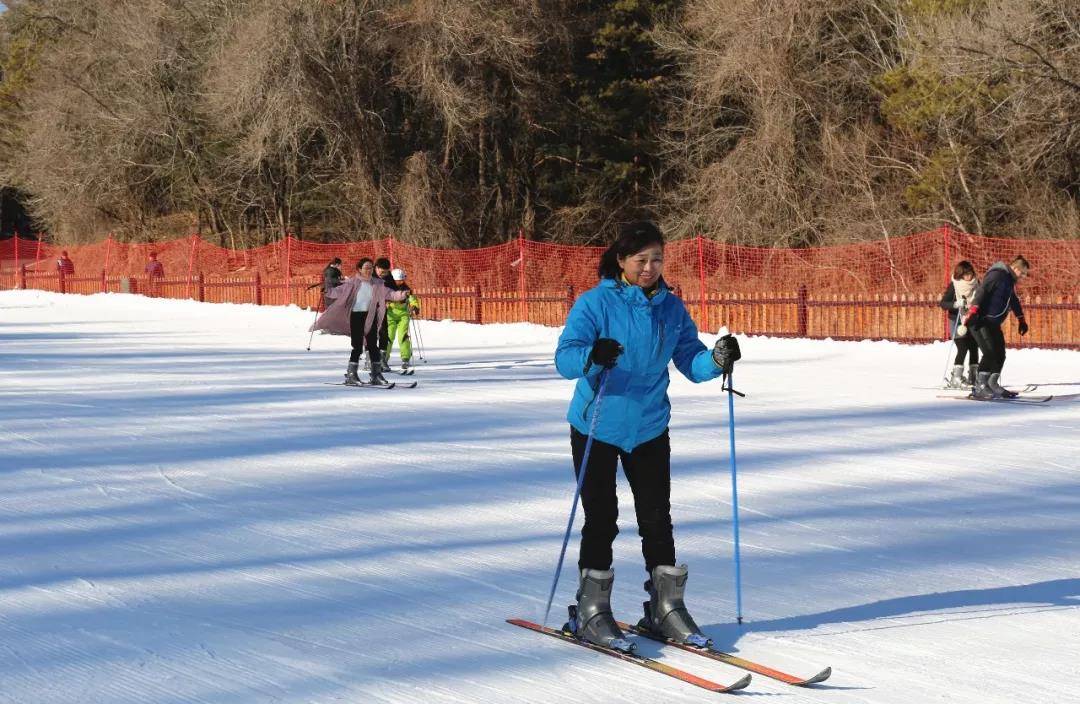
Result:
[646,662]
[714,654]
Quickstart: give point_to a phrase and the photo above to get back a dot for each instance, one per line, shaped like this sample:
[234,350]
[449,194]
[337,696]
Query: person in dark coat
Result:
[331,279]
[955,300]
[64,265]
[988,308]
[382,270]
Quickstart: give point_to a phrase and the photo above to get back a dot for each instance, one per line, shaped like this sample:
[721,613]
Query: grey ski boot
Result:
[972,375]
[591,619]
[351,379]
[665,611]
[956,379]
[375,376]
[982,386]
[999,391]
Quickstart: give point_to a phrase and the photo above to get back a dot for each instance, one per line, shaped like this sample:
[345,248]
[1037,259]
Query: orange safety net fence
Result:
[887,289]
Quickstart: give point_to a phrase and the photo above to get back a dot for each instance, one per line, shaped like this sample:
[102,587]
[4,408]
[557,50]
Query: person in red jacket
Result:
[154,268]
[64,265]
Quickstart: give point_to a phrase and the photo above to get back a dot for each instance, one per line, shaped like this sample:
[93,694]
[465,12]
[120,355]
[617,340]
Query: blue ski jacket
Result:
[653,331]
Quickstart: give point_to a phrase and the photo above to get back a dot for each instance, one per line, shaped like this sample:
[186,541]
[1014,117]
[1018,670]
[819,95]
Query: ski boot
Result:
[591,619]
[665,613]
[982,387]
[956,379]
[385,365]
[1000,391]
[351,379]
[972,375]
[405,367]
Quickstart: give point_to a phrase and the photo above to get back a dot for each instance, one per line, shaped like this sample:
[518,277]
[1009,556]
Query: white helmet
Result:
[398,274]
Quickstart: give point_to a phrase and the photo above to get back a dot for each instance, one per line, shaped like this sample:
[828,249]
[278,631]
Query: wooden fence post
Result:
[202,288]
[478,310]
[22,276]
[104,283]
[258,289]
[802,315]
[63,280]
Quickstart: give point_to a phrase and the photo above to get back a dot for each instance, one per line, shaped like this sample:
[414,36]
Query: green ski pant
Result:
[397,328]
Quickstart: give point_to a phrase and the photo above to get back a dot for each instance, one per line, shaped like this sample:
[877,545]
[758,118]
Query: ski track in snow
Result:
[188,514]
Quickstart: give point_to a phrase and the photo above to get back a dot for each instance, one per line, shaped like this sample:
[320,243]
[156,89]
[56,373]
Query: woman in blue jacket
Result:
[628,328]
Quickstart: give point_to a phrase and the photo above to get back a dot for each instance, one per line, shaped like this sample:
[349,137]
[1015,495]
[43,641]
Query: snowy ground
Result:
[188,514]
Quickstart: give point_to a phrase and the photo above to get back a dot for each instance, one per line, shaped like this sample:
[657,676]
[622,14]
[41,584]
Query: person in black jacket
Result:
[955,300]
[331,276]
[382,270]
[989,306]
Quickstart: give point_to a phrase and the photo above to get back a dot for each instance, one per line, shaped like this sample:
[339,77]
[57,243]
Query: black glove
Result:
[1023,326]
[726,352]
[605,352]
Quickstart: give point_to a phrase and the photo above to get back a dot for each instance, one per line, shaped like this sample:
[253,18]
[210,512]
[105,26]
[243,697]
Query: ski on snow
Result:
[365,385]
[640,660]
[719,655]
[1016,399]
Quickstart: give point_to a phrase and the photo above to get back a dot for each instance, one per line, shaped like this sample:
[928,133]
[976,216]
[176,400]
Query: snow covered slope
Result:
[189,514]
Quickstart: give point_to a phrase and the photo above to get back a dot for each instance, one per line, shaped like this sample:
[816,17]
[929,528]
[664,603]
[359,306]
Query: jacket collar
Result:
[634,295]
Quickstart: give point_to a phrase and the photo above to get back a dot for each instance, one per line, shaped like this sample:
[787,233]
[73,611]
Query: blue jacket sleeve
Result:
[691,356]
[577,339]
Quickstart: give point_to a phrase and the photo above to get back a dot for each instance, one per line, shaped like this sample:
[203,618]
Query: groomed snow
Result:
[189,514]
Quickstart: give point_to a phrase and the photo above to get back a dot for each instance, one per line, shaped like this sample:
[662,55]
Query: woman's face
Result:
[366,269]
[645,267]
[968,276]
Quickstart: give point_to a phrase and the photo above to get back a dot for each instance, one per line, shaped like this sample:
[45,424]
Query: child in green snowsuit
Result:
[398,316]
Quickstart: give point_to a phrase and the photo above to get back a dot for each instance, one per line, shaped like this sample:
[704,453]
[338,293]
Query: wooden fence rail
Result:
[1054,319]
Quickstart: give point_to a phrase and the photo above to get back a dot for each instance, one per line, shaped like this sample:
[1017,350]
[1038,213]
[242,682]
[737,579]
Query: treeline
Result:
[459,123]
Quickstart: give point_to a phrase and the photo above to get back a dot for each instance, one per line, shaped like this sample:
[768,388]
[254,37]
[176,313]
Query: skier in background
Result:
[358,311]
[382,270]
[64,265]
[955,300]
[989,306]
[398,316]
[155,272]
[331,279]
[630,327]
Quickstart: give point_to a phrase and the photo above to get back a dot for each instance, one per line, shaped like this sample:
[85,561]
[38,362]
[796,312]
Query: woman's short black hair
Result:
[633,237]
[382,263]
[360,264]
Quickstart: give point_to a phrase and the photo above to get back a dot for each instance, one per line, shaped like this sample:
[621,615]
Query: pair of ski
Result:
[681,675]
[368,385]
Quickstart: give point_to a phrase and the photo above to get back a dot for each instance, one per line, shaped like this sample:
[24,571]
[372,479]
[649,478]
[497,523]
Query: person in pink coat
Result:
[358,309]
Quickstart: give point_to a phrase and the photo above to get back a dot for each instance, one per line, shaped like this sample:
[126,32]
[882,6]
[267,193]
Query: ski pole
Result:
[735,499]
[952,339]
[577,492]
[419,340]
[312,335]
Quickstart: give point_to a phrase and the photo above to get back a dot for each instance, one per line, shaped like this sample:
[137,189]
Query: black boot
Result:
[351,379]
[592,619]
[665,612]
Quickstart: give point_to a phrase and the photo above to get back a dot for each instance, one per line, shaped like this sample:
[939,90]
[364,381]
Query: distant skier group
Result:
[374,308]
[977,311]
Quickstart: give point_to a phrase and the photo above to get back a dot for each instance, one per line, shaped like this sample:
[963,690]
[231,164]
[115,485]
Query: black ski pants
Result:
[360,341]
[992,345]
[966,346]
[648,469]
